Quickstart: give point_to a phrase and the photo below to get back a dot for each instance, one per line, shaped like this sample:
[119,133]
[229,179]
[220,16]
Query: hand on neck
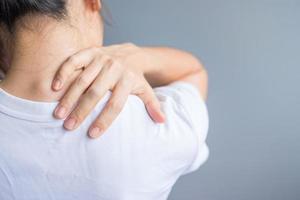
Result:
[36,57]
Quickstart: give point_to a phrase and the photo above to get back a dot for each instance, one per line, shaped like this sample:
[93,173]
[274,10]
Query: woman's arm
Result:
[123,69]
[168,65]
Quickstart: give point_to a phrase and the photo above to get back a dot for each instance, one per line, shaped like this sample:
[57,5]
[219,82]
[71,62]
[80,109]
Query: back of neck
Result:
[36,57]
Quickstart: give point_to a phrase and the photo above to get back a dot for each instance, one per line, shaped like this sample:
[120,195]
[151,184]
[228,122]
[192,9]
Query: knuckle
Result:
[150,103]
[149,100]
[116,66]
[60,75]
[63,72]
[66,102]
[109,66]
[153,101]
[98,58]
[78,115]
[92,93]
[130,75]
[82,81]
[95,49]
[106,57]
[73,60]
[114,106]
[127,82]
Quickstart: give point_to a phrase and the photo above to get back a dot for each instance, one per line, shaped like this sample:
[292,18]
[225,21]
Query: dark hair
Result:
[12,10]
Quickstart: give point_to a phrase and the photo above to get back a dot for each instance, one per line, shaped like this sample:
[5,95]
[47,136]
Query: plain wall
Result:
[251,49]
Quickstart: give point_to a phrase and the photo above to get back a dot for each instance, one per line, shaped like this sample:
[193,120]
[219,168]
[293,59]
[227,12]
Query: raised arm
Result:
[123,69]
[171,65]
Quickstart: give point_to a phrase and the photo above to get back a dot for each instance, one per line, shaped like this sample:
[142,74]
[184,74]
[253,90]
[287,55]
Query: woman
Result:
[136,158]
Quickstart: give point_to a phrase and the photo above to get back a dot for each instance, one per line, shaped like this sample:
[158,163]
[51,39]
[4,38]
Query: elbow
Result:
[203,80]
[197,76]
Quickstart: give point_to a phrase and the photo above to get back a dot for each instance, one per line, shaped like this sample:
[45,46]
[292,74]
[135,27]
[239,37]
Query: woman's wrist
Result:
[162,66]
[151,64]
[142,60]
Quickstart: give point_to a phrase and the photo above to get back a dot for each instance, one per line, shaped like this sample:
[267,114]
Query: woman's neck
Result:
[36,58]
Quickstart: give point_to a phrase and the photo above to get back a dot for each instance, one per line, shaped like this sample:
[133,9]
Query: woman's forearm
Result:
[166,65]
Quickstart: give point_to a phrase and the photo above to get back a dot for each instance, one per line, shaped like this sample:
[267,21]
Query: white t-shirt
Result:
[135,159]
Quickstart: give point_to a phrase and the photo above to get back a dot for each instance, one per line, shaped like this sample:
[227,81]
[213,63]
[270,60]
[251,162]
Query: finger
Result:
[152,104]
[73,63]
[78,88]
[89,100]
[111,111]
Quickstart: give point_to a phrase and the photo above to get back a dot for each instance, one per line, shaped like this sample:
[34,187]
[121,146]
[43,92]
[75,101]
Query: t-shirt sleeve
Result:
[187,122]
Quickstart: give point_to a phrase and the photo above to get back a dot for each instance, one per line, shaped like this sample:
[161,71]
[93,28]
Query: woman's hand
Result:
[103,68]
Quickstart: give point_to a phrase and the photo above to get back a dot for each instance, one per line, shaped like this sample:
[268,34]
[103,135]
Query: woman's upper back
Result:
[134,159]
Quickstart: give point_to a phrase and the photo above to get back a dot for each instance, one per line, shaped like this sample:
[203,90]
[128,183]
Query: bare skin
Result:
[124,69]
[88,74]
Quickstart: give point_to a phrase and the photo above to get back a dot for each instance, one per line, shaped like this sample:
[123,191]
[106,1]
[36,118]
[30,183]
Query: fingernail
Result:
[155,113]
[70,123]
[162,118]
[60,112]
[57,84]
[94,132]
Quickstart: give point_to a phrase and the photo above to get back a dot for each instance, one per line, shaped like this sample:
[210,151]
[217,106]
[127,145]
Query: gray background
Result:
[251,49]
